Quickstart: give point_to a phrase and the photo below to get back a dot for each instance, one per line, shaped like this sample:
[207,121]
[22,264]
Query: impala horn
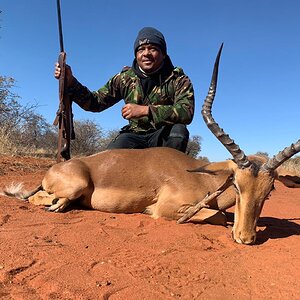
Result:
[281,157]
[238,155]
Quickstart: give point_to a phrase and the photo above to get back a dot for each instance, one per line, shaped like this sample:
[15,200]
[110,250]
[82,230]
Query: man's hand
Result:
[68,74]
[130,111]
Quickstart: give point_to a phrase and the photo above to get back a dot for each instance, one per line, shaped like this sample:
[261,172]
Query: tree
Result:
[11,111]
[261,153]
[107,138]
[87,135]
[33,128]
[194,146]
[9,106]
[90,138]
[22,129]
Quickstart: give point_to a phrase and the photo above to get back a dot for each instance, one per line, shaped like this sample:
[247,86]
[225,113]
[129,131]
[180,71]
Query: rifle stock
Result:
[64,116]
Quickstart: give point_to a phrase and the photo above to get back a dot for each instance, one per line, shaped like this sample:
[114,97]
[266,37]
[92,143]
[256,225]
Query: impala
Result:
[163,182]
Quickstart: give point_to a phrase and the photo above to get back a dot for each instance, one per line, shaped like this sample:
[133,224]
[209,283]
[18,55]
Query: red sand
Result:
[84,254]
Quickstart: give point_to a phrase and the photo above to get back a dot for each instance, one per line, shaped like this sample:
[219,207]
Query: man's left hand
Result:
[130,111]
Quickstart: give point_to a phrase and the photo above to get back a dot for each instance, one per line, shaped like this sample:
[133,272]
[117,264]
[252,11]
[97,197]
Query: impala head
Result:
[253,186]
[253,176]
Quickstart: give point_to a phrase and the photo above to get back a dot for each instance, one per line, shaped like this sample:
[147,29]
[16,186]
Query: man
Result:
[159,98]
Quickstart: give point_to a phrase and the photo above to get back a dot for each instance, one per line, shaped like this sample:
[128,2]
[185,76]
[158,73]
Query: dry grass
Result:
[292,165]
[10,146]
[8,143]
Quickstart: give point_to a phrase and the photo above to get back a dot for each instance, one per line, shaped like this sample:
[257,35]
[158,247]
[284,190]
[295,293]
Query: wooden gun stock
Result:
[64,116]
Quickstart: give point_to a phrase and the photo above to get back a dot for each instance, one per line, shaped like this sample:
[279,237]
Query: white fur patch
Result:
[14,190]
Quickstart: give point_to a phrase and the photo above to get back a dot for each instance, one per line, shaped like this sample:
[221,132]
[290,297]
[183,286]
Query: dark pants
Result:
[173,136]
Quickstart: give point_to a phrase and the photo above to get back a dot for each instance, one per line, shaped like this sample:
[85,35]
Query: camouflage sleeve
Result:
[98,100]
[182,111]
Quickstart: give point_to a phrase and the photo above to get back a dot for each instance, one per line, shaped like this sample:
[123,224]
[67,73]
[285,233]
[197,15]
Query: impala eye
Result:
[269,195]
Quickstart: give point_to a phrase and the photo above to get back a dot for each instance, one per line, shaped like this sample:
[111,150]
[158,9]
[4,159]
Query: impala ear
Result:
[289,180]
[217,167]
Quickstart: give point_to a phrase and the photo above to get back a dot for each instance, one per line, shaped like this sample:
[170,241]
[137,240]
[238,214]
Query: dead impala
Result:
[163,182]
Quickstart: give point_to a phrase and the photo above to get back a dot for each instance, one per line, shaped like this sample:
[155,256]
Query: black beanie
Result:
[150,35]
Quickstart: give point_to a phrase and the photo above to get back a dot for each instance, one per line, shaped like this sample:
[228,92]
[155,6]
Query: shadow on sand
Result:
[272,228]
[276,228]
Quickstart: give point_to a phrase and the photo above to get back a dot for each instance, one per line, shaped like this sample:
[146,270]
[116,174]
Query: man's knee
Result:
[179,130]
[126,140]
[178,137]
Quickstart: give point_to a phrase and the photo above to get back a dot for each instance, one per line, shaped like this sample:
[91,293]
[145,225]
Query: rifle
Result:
[64,116]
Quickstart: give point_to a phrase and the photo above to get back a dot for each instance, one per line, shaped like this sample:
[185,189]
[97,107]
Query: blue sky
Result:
[258,96]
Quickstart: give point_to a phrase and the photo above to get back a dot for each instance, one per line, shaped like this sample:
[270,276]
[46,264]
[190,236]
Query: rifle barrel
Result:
[61,40]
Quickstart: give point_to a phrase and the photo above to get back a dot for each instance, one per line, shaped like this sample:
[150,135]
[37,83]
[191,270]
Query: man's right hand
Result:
[68,74]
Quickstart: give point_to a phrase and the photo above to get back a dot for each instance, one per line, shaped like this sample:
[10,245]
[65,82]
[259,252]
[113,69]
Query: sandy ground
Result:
[84,254]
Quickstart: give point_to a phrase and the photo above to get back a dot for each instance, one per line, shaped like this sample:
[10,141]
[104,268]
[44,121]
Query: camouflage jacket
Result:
[171,102]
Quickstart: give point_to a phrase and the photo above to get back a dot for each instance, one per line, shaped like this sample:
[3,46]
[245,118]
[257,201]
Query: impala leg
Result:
[60,205]
[207,215]
[204,203]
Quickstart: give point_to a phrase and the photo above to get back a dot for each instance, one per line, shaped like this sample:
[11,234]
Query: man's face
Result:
[149,57]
